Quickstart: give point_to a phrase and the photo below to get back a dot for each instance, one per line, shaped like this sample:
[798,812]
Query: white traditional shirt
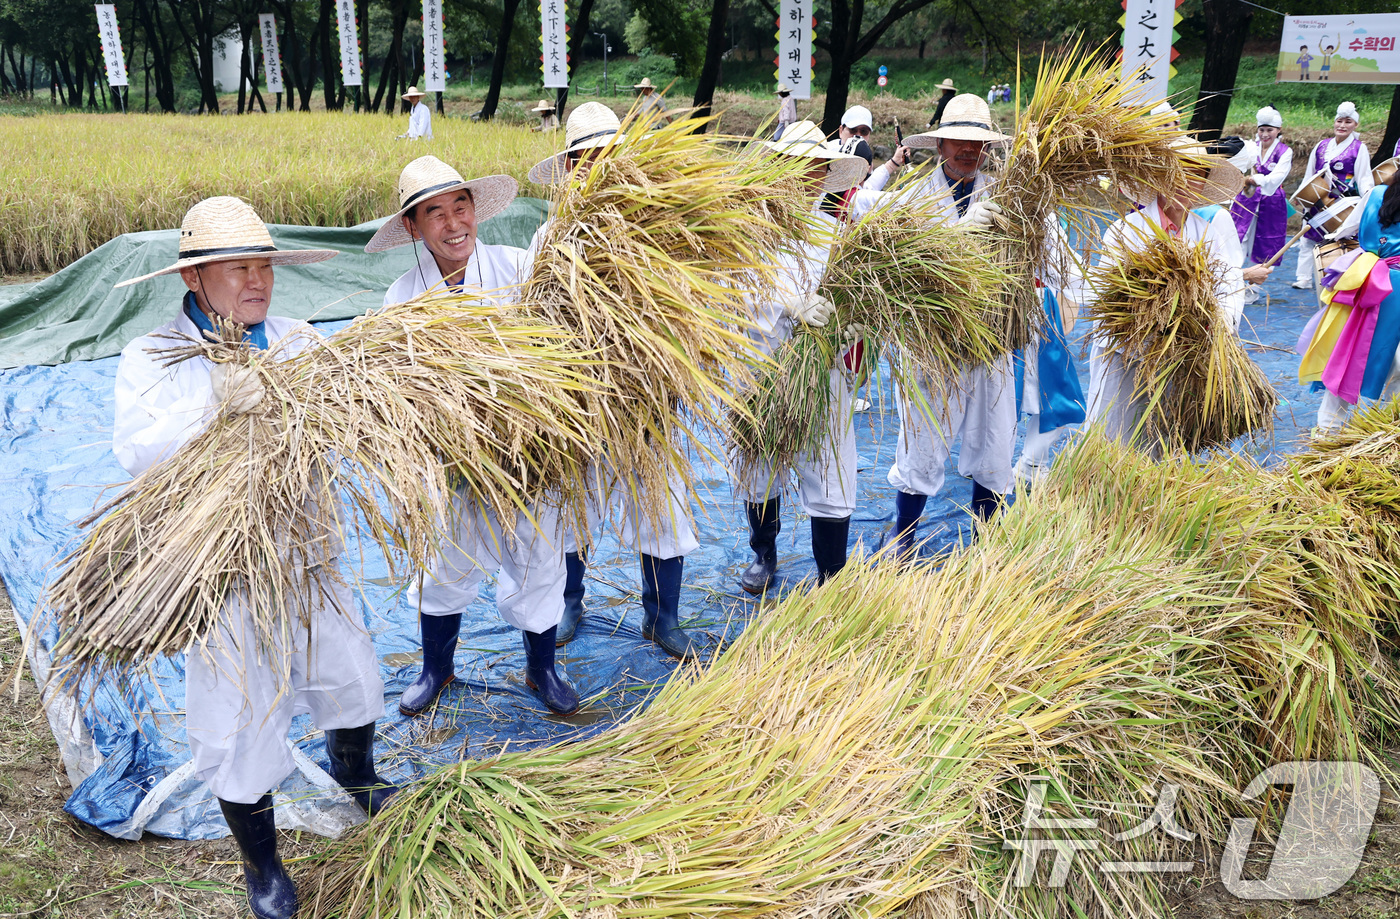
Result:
[935,185]
[490,268]
[1332,150]
[799,271]
[420,122]
[1253,154]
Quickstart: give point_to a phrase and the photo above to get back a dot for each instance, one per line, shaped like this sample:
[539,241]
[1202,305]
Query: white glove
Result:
[810,309]
[238,387]
[981,214]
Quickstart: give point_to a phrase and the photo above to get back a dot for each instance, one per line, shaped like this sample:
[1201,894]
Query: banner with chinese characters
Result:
[554,44]
[795,46]
[272,58]
[349,43]
[434,48]
[1149,31]
[111,44]
[1340,49]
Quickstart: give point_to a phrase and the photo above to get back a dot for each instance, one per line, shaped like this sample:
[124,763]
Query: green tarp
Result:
[75,315]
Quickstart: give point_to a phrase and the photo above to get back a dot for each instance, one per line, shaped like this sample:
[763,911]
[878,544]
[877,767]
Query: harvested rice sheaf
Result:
[1155,303]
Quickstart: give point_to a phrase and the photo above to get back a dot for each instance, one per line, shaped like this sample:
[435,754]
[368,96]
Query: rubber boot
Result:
[351,752]
[661,605]
[985,502]
[271,893]
[829,545]
[439,647]
[558,696]
[574,568]
[764,526]
[908,509]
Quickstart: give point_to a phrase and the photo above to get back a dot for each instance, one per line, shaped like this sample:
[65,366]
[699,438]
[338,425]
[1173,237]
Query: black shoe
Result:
[575,566]
[351,752]
[829,536]
[985,502]
[661,602]
[764,526]
[271,893]
[439,647]
[557,695]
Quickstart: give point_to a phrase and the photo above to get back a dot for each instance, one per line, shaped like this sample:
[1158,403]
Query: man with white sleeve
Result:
[420,117]
[239,699]
[442,211]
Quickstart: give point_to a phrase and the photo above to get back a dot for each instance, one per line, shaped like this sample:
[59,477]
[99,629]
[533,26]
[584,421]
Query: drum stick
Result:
[1279,254]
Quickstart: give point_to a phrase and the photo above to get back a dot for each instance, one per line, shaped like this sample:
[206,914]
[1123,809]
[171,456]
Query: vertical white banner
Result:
[272,58]
[111,44]
[434,48]
[349,43]
[1147,46]
[554,44]
[795,46]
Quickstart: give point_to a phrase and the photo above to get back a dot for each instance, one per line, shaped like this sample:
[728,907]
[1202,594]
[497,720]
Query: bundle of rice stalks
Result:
[396,409]
[1157,306]
[1083,640]
[652,255]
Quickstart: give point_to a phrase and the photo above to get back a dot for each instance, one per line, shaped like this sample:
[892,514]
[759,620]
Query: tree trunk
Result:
[362,34]
[245,67]
[389,75]
[576,37]
[1227,27]
[714,57]
[845,27]
[160,61]
[498,64]
[1392,129]
[330,67]
[5,86]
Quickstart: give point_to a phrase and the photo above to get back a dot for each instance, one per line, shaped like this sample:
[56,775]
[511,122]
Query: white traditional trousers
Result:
[981,409]
[667,535]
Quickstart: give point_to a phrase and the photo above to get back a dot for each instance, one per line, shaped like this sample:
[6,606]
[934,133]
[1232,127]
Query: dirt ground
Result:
[52,866]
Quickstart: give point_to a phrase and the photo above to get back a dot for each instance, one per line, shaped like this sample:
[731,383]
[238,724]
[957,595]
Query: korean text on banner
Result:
[272,58]
[349,43]
[111,38]
[554,57]
[1340,49]
[434,48]
[795,46]
[1148,33]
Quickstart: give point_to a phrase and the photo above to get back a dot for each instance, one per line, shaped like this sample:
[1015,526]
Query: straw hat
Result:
[966,117]
[413,93]
[783,89]
[805,139]
[1222,183]
[947,84]
[427,177]
[543,106]
[225,229]
[645,84]
[590,126]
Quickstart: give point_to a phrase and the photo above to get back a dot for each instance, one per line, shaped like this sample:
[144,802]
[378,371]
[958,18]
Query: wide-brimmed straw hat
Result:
[645,84]
[1221,184]
[413,93]
[803,138]
[947,84]
[783,90]
[966,117]
[543,105]
[590,126]
[225,229]
[428,177]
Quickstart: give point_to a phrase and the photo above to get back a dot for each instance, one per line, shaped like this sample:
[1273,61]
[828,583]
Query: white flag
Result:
[795,46]
[272,59]
[349,43]
[554,44]
[111,44]
[434,48]
[1147,47]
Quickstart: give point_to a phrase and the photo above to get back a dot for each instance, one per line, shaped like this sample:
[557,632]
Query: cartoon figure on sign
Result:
[1304,59]
[1327,52]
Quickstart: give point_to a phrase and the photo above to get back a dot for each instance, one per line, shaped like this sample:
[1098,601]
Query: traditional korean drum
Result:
[1331,217]
[1327,253]
[1383,173]
[1315,191]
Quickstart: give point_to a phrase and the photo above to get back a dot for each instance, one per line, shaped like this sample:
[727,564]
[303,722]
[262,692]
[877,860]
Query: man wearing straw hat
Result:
[420,117]
[441,211]
[948,91]
[651,101]
[548,120]
[662,541]
[787,109]
[239,700]
[826,481]
[980,406]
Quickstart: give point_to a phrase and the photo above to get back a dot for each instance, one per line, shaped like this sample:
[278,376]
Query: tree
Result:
[391,74]
[576,37]
[714,55]
[1392,127]
[1226,28]
[846,45]
[498,63]
[158,44]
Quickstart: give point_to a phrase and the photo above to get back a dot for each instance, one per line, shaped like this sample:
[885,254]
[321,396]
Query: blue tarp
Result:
[125,747]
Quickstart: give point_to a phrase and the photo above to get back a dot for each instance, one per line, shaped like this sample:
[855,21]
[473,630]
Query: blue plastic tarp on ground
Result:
[125,746]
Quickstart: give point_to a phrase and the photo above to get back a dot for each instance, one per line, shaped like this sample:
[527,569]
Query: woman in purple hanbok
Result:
[1261,210]
[1348,164]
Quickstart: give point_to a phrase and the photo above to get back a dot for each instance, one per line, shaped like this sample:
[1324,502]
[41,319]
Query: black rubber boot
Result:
[271,893]
[985,502]
[574,568]
[351,752]
[908,509]
[829,545]
[557,695]
[661,605]
[439,647]
[764,526]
